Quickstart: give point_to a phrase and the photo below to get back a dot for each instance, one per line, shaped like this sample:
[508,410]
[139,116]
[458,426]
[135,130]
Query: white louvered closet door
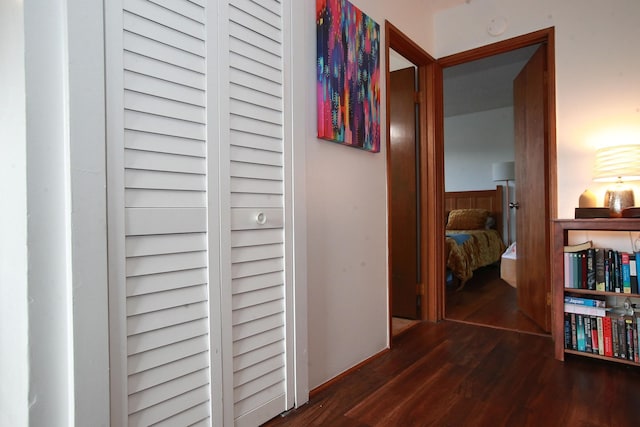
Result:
[199,231]
[256,131]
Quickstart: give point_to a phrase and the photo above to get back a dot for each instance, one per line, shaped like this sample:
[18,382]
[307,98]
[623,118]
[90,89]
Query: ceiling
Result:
[475,86]
[484,84]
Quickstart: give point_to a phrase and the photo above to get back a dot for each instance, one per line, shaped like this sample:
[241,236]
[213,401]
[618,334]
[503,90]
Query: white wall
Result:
[472,143]
[14,319]
[53,249]
[346,223]
[597,89]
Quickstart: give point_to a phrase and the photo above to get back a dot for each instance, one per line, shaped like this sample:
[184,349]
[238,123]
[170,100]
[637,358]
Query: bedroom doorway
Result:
[535,180]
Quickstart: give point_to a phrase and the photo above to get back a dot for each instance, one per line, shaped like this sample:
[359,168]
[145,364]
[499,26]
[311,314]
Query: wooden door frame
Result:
[430,171]
[546,36]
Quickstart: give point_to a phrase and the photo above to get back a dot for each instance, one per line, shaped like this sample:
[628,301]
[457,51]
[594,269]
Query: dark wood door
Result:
[532,222]
[404,207]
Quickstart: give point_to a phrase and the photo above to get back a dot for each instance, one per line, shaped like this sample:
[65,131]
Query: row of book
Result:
[600,269]
[611,336]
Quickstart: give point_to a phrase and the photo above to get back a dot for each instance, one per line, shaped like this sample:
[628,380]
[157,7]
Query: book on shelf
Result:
[600,269]
[607,336]
[591,301]
[600,326]
[580,338]
[579,246]
[626,273]
[585,309]
[633,273]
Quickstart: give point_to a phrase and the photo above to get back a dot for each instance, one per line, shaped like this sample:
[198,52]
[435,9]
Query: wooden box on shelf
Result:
[560,238]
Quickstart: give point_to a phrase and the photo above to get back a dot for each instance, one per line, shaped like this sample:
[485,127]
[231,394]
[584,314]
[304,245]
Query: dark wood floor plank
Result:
[456,374]
[486,299]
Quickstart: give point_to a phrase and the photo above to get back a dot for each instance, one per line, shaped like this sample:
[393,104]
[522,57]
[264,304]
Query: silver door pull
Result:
[515,205]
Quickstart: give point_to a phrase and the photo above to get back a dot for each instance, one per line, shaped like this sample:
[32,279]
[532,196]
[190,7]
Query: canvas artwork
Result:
[348,69]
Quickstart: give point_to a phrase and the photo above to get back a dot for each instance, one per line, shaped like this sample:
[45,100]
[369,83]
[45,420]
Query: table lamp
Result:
[619,164]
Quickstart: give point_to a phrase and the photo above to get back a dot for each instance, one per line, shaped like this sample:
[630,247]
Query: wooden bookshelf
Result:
[559,238]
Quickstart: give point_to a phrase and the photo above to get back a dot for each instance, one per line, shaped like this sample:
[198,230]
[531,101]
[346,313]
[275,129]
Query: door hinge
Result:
[549,298]
[416,97]
[420,289]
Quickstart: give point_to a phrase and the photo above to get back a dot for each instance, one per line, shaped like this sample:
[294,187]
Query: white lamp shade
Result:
[503,171]
[617,163]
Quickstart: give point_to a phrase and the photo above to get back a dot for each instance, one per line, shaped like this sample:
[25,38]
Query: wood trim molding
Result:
[546,36]
[313,393]
[431,170]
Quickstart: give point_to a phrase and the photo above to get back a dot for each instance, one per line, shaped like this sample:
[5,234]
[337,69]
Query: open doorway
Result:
[488,125]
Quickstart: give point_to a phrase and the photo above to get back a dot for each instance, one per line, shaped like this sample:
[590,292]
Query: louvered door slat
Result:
[163,34]
[166,299]
[253,40]
[251,350]
[163,162]
[254,253]
[257,83]
[198,416]
[254,23]
[165,410]
[160,375]
[248,65]
[239,138]
[143,46]
[249,170]
[256,156]
[165,355]
[162,70]
[172,316]
[168,390]
[166,16]
[141,285]
[184,7]
[165,244]
[240,200]
[144,122]
[163,89]
[266,10]
[166,180]
[247,284]
[246,330]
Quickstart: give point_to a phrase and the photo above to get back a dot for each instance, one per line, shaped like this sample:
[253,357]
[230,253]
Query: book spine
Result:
[600,269]
[607,336]
[568,280]
[587,334]
[584,301]
[626,273]
[607,270]
[580,333]
[633,273]
[591,268]
[583,269]
[615,338]
[599,321]
[584,309]
[617,272]
[594,335]
[622,339]
[628,323]
[567,331]
[574,336]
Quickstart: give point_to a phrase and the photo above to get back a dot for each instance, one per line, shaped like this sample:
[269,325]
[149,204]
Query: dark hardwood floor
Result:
[488,300]
[458,374]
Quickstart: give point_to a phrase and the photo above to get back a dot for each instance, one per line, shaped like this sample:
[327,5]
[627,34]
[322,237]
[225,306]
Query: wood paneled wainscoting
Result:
[456,374]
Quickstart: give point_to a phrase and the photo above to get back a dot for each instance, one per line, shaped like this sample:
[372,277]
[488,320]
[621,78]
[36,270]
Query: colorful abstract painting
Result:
[348,75]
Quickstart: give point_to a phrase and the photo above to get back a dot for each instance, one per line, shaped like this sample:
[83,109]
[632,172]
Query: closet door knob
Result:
[515,205]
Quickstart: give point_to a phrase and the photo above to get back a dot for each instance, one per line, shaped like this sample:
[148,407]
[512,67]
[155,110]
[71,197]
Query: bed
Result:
[473,231]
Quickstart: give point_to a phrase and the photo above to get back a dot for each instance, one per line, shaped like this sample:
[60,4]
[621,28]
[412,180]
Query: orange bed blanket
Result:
[468,250]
